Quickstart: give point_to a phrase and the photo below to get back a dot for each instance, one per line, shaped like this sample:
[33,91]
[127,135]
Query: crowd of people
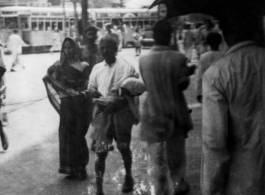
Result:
[97,88]
[100,89]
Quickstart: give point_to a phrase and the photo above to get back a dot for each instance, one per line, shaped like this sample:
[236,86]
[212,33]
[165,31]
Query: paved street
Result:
[30,165]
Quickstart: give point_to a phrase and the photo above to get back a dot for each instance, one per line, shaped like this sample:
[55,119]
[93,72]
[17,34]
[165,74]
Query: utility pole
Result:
[16,3]
[76,18]
[84,17]
[64,18]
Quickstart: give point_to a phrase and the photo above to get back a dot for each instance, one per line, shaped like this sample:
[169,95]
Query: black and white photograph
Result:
[132,97]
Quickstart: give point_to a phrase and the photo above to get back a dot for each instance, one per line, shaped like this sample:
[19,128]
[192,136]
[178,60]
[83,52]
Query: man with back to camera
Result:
[165,117]
[233,153]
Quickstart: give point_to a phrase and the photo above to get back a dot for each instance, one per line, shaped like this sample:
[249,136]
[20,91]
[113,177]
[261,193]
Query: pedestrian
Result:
[112,33]
[117,30]
[113,117]
[69,77]
[90,50]
[137,42]
[15,44]
[165,117]
[233,152]
[188,42]
[204,30]
[214,40]
[3,135]
[56,41]
[92,55]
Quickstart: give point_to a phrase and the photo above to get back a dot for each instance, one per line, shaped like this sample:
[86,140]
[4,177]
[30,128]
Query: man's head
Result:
[108,48]
[15,31]
[108,27]
[162,32]
[91,33]
[238,27]
[214,39]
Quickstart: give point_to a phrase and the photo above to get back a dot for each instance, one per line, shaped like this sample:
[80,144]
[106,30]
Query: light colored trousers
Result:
[167,165]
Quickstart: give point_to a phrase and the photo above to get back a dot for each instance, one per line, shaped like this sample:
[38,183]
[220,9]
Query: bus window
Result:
[152,23]
[11,22]
[24,22]
[48,24]
[134,24]
[54,24]
[41,24]
[140,24]
[99,24]
[66,25]
[60,25]
[2,21]
[34,24]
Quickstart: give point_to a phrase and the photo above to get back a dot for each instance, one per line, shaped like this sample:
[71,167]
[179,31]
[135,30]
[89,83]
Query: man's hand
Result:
[95,94]
[192,69]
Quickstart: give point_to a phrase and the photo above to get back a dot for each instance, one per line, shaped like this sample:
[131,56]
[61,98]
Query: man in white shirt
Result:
[15,44]
[214,40]
[113,118]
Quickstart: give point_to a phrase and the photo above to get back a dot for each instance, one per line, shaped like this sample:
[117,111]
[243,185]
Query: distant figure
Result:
[72,30]
[112,33]
[119,33]
[91,54]
[214,40]
[15,44]
[56,41]
[188,41]
[203,31]
[137,42]
[3,135]
[180,39]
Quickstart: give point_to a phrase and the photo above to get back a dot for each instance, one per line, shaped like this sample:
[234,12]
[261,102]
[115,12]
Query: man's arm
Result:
[92,85]
[215,154]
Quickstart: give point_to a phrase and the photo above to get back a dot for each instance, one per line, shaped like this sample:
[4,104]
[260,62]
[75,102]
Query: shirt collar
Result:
[160,48]
[239,46]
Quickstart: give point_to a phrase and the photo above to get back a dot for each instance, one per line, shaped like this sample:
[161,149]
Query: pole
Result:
[84,17]
[16,3]
[76,19]
[64,19]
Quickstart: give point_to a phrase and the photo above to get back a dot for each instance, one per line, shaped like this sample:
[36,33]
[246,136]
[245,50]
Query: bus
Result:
[36,25]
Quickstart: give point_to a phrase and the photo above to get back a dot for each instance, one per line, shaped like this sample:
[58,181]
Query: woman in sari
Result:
[69,78]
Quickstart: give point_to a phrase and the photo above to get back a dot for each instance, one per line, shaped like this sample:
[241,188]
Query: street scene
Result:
[132,97]
[30,165]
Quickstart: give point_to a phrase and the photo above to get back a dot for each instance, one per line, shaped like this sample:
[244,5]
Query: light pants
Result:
[168,165]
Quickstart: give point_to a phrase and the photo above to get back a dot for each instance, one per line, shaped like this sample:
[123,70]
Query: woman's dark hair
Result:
[162,32]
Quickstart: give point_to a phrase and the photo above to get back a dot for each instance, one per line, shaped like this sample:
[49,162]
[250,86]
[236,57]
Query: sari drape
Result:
[65,83]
